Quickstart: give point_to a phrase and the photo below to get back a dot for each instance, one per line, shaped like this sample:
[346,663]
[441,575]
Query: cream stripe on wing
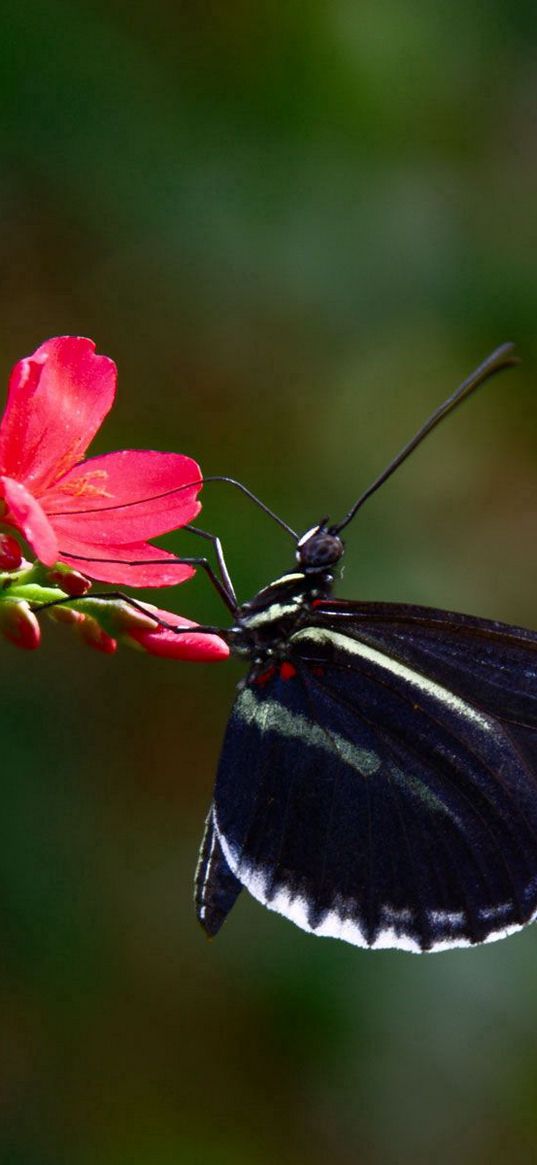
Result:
[355,647]
[284,722]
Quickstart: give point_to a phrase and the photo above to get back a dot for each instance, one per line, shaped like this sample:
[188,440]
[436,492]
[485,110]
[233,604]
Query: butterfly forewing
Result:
[379,785]
[486,662]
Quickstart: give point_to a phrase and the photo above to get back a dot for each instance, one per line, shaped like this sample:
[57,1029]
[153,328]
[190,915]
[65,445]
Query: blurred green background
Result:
[296,227]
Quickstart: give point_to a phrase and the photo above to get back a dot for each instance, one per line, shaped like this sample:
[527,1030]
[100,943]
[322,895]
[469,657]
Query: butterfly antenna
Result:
[179,489]
[498,360]
[253,498]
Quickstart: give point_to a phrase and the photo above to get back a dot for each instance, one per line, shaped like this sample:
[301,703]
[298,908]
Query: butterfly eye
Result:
[320,550]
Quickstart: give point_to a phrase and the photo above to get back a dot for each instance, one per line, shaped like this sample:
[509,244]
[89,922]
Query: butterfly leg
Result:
[222,565]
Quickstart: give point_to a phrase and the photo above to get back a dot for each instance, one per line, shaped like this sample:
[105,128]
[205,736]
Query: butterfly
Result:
[378,777]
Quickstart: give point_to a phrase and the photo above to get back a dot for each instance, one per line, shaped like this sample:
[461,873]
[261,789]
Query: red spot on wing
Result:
[287,671]
[265,676]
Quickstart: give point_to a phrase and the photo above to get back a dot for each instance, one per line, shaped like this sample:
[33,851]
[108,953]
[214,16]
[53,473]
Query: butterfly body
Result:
[378,776]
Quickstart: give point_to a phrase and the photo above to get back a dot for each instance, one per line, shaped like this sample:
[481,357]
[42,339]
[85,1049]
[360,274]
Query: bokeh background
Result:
[295,227]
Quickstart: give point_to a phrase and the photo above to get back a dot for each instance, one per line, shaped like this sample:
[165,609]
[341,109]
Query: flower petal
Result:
[26,515]
[135,564]
[57,400]
[125,497]
[169,645]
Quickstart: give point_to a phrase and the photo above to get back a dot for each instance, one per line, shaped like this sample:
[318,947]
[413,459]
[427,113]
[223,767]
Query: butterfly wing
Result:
[215,886]
[381,786]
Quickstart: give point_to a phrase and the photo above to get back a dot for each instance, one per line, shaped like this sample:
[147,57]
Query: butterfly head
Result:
[319,549]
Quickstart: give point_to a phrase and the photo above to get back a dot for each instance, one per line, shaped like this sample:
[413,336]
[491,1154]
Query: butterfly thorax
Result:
[264,624]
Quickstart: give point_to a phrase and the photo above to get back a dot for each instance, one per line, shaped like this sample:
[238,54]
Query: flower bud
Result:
[19,624]
[61,614]
[184,643]
[71,581]
[117,616]
[128,618]
[10,553]
[95,637]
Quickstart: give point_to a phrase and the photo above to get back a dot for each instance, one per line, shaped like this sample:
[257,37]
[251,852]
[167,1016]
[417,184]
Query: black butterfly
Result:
[378,779]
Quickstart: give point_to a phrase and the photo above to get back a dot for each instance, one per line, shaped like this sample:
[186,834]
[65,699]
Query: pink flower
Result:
[78,511]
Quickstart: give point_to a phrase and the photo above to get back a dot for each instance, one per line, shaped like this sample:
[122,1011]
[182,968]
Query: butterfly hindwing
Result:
[215,886]
[380,786]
